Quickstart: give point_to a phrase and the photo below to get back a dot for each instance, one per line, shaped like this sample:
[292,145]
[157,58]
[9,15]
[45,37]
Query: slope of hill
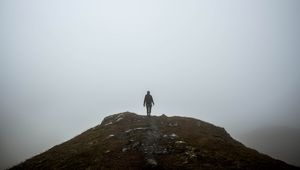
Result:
[279,142]
[131,141]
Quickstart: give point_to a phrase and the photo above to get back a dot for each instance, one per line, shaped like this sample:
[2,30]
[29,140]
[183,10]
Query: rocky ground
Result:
[131,141]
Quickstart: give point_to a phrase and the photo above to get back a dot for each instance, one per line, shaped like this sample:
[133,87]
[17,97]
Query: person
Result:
[148,101]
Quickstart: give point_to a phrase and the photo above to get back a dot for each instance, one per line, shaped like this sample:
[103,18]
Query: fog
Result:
[65,65]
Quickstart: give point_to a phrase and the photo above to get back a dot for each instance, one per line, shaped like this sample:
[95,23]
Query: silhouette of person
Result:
[148,101]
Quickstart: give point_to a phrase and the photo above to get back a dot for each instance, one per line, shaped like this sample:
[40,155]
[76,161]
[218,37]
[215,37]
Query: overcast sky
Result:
[66,64]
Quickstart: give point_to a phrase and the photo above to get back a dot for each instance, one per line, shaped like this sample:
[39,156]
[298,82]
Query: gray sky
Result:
[65,65]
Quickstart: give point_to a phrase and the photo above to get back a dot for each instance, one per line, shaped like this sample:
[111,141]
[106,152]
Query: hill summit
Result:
[130,141]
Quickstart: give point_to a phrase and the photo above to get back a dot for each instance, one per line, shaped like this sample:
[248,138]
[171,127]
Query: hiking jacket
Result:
[148,99]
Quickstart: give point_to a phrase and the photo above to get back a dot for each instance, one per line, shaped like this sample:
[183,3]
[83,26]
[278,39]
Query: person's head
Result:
[148,92]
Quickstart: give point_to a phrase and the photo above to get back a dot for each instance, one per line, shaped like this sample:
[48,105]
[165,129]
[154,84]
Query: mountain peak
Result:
[131,141]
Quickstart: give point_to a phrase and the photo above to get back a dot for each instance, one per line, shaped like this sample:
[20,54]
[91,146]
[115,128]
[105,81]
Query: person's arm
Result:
[152,100]
[144,101]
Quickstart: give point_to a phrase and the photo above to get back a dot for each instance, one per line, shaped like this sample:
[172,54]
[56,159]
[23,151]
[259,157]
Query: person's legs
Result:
[148,110]
[147,107]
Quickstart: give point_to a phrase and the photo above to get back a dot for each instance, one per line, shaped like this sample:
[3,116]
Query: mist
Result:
[65,65]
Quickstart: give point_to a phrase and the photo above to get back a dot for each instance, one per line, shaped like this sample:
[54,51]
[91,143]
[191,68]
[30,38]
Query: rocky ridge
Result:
[130,141]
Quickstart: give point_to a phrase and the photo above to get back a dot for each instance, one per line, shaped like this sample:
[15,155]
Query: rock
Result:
[160,150]
[173,124]
[92,142]
[190,154]
[119,116]
[152,162]
[129,130]
[109,123]
[163,116]
[179,142]
[135,145]
[125,149]
[109,136]
[119,119]
[173,136]
[139,128]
